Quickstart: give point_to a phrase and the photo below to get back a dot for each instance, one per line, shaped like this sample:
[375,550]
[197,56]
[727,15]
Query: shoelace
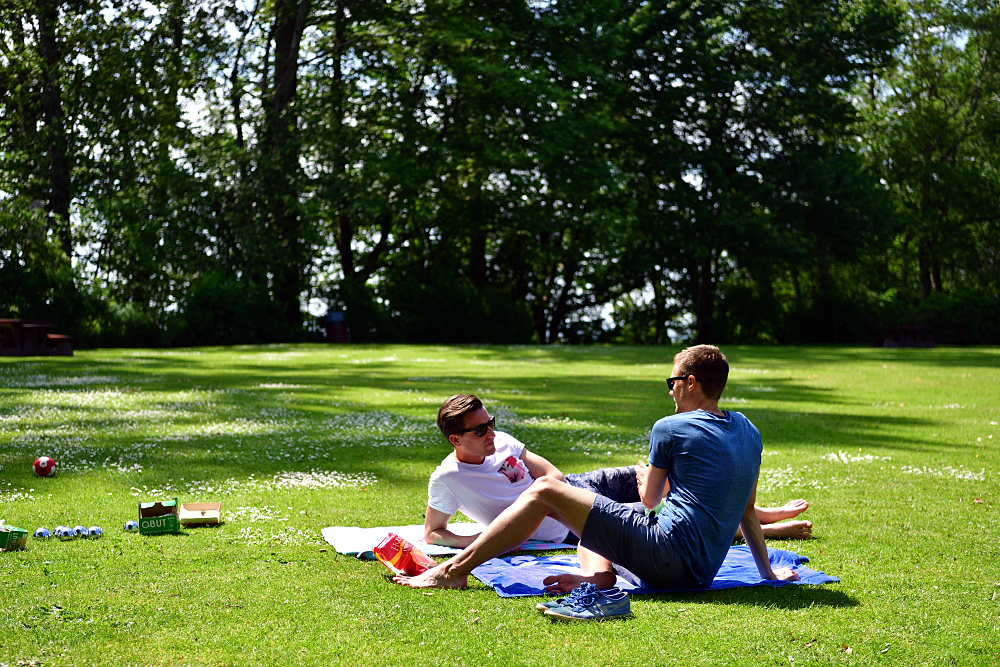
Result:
[583,600]
[575,594]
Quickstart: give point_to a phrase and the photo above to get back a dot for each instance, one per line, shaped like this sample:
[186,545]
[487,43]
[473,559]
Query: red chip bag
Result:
[401,557]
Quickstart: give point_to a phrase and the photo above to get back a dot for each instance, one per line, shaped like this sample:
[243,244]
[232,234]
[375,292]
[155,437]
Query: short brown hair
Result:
[451,414]
[708,365]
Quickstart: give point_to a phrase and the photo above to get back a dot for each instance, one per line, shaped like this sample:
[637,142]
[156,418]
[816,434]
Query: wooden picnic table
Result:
[32,338]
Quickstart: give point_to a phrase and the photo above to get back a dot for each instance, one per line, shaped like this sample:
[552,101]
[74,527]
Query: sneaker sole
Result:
[550,604]
[570,619]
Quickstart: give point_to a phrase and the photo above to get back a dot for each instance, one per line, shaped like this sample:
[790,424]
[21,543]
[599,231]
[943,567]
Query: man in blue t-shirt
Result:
[709,458]
[475,478]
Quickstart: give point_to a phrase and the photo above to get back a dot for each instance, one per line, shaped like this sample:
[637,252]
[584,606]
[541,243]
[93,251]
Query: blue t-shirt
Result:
[712,464]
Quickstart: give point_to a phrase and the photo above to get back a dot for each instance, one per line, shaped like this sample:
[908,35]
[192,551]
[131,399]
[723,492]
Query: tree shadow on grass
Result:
[625,407]
[802,357]
[781,597]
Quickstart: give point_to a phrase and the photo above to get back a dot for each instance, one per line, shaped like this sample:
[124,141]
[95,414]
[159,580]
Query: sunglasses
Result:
[480,430]
[671,381]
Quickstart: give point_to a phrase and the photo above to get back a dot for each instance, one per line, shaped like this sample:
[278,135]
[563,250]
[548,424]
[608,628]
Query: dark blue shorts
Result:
[634,542]
[618,484]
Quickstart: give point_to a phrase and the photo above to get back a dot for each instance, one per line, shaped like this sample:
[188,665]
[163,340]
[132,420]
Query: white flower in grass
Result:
[949,471]
[844,457]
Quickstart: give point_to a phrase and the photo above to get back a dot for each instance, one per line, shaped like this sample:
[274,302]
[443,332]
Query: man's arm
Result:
[754,537]
[651,481]
[436,531]
[539,466]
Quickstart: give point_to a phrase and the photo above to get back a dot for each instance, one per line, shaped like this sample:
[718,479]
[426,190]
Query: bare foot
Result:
[564,583]
[789,530]
[436,577]
[789,510]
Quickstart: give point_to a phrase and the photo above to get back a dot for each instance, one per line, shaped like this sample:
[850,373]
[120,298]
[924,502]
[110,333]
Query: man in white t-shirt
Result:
[488,470]
[481,478]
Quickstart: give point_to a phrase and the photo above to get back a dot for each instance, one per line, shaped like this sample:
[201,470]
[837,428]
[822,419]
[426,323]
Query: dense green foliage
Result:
[636,171]
[895,450]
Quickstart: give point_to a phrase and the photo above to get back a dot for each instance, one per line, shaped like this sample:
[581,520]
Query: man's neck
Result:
[707,405]
[465,459]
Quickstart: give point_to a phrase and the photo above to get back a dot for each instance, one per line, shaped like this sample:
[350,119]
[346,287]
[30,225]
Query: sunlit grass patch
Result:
[900,475]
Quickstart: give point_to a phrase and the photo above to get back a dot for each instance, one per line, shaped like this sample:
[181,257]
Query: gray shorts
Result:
[636,545]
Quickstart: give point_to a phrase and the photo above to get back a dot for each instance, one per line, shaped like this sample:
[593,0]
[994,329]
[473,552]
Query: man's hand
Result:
[539,466]
[436,530]
[652,483]
[640,476]
[785,574]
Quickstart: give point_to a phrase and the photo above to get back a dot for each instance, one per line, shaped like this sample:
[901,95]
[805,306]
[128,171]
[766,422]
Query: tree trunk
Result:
[560,309]
[824,303]
[704,302]
[281,157]
[935,269]
[797,286]
[477,246]
[543,287]
[55,136]
[904,272]
[923,265]
[659,307]
[345,226]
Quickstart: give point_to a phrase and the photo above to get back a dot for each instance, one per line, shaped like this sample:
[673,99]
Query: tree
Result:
[931,137]
[749,89]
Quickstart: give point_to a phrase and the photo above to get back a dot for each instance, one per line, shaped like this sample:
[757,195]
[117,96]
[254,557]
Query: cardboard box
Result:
[201,514]
[159,518]
[12,538]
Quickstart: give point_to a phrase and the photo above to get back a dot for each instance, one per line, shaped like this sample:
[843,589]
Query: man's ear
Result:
[453,439]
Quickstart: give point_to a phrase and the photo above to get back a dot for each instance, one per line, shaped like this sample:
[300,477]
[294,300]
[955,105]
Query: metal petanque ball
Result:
[81,531]
[42,533]
[94,532]
[44,466]
[63,532]
[131,526]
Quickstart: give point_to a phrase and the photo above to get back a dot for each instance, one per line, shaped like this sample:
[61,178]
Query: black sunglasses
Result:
[671,381]
[480,430]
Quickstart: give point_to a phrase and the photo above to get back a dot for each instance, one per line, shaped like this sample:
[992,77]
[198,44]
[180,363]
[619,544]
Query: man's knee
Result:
[546,484]
[546,488]
[559,495]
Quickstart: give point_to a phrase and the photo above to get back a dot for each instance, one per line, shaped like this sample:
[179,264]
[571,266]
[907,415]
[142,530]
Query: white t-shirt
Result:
[483,491]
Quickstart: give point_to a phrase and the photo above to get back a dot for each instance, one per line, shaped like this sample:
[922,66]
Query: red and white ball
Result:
[44,466]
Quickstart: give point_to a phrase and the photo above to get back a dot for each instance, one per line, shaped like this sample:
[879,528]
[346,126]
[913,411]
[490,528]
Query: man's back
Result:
[712,464]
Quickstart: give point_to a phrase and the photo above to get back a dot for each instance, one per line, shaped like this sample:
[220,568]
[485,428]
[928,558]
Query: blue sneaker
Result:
[597,606]
[585,588]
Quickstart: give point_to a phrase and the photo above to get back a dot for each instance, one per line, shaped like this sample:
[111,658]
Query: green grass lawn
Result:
[896,451]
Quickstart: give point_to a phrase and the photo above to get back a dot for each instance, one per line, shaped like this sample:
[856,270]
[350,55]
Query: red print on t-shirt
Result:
[514,469]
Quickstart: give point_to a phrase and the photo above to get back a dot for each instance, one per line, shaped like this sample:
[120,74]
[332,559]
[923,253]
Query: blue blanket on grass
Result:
[523,575]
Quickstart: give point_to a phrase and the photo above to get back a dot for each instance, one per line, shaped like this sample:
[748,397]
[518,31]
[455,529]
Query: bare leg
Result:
[546,497]
[789,510]
[789,530]
[596,569]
